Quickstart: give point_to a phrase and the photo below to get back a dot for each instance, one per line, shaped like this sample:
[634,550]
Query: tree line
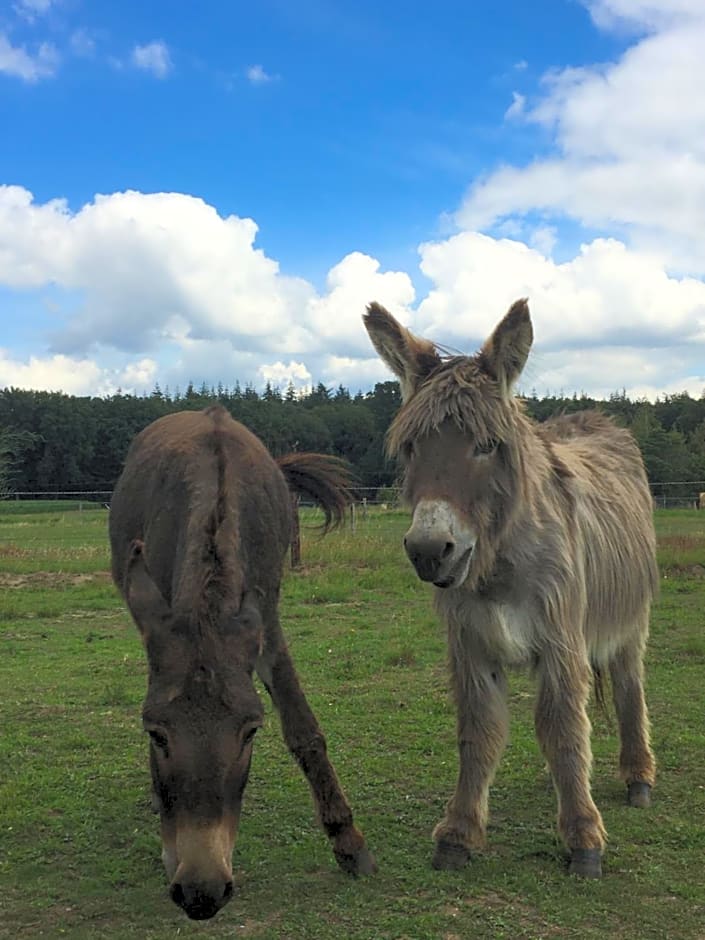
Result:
[52,442]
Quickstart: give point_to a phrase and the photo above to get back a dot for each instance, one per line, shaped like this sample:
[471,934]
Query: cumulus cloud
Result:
[352,284]
[75,376]
[174,292]
[150,268]
[606,295]
[280,375]
[20,62]
[153,57]
[629,140]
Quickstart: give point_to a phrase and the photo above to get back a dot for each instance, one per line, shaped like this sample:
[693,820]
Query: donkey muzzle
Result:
[428,555]
[201,901]
[439,544]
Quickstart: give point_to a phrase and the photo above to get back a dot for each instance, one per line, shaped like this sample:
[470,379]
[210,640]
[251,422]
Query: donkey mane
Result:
[460,390]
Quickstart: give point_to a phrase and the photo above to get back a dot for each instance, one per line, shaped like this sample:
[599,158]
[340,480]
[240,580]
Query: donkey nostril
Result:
[177,894]
[448,548]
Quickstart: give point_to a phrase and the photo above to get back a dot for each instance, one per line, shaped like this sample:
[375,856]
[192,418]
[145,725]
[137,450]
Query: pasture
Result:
[79,846]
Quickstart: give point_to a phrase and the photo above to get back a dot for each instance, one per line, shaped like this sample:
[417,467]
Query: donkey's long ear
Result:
[409,358]
[506,351]
[146,602]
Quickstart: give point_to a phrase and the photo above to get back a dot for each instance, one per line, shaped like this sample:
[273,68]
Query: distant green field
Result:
[79,847]
[25,507]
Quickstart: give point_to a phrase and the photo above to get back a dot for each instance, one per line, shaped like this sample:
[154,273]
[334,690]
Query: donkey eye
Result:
[250,735]
[159,739]
[483,448]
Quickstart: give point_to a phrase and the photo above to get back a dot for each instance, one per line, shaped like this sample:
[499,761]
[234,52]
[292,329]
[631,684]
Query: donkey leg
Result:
[482,721]
[306,742]
[563,730]
[636,759]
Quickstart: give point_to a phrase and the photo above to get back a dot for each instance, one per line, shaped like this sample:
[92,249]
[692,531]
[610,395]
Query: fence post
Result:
[364,507]
[295,532]
[353,516]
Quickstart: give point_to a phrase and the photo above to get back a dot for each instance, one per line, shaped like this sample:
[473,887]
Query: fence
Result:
[683,493]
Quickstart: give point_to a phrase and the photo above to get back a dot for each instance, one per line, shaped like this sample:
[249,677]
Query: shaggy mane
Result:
[459,390]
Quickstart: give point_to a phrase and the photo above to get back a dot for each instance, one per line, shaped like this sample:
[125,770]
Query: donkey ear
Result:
[506,351]
[146,602]
[409,357]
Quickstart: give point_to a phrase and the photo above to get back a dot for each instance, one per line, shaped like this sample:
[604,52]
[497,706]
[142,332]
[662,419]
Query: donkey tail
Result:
[326,480]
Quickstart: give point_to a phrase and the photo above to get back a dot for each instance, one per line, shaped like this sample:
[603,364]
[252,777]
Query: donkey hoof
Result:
[361,862]
[587,863]
[450,856]
[639,794]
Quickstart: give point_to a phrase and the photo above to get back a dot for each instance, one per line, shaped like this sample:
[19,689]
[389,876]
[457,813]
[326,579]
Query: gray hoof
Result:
[449,856]
[586,863]
[639,794]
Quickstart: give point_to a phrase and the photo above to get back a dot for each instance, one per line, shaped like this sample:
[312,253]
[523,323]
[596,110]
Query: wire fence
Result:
[683,493]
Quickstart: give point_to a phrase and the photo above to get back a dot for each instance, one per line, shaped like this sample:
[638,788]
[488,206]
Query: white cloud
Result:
[606,295]
[167,290]
[256,75]
[75,376]
[602,371]
[642,14]
[29,66]
[354,373]
[153,57]
[31,9]
[138,376]
[516,107]
[352,284]
[543,238]
[281,375]
[151,269]
[629,140]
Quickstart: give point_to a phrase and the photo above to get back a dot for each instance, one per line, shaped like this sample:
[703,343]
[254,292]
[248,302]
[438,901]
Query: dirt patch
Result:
[684,571]
[682,543]
[51,578]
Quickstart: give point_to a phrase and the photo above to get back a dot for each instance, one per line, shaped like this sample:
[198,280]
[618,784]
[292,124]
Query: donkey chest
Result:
[510,633]
[503,632]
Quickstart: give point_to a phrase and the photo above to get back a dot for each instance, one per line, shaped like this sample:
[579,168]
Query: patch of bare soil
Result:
[682,543]
[50,578]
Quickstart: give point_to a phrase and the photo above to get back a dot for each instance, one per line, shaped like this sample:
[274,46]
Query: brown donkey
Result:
[540,542]
[200,522]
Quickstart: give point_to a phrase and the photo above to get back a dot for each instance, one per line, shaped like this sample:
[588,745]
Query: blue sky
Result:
[442,158]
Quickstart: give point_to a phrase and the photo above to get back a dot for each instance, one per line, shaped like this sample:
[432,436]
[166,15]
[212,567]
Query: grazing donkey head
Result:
[455,436]
[201,713]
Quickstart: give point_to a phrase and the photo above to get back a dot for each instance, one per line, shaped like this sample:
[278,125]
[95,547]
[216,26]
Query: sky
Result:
[213,192]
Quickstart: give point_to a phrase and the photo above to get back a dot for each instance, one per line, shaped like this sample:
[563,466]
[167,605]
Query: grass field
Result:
[79,847]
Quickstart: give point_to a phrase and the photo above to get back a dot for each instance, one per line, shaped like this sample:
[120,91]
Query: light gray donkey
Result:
[540,542]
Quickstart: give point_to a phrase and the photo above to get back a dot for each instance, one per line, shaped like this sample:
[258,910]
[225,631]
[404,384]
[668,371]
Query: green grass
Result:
[79,847]
[25,507]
